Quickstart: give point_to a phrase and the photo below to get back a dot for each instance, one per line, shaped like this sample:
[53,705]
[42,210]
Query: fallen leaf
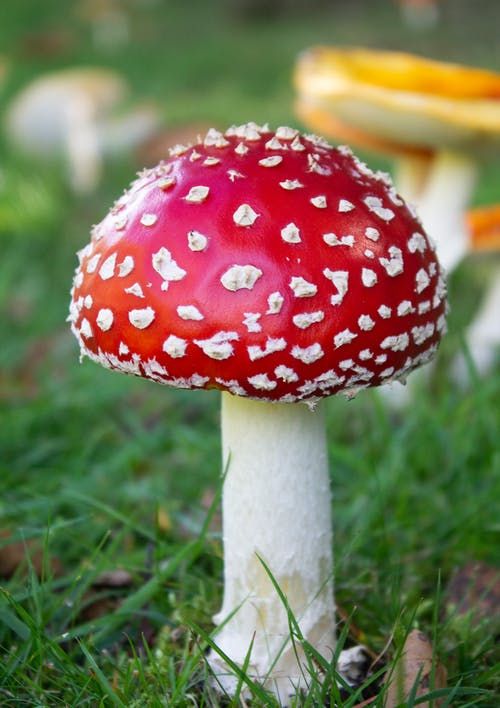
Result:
[416,664]
[96,607]
[368,702]
[139,626]
[474,590]
[118,578]
[16,554]
[47,44]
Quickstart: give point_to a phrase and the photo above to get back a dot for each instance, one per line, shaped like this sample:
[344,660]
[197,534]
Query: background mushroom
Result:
[483,334]
[108,21]
[437,121]
[440,118]
[73,112]
[280,271]
[420,14]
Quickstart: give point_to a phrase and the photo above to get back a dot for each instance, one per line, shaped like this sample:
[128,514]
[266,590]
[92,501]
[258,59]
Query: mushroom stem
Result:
[443,203]
[82,144]
[441,190]
[411,173]
[483,334]
[276,506]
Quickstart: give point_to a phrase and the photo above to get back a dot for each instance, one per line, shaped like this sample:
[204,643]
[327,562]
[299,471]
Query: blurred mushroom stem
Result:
[276,509]
[482,335]
[441,188]
[420,14]
[82,143]
[443,203]
[111,30]
[411,174]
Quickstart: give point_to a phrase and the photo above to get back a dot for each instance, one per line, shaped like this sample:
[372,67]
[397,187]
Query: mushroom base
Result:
[277,512]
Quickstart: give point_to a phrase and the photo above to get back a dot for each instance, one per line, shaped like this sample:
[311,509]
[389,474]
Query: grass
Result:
[99,472]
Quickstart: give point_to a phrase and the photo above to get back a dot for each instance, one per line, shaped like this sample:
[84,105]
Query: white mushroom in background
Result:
[439,121]
[108,20]
[420,14]
[73,112]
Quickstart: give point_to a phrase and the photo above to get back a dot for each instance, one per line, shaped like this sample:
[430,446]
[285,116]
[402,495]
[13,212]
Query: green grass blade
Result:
[101,678]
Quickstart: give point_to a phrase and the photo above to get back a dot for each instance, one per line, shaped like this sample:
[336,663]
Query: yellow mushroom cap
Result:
[484,228]
[397,102]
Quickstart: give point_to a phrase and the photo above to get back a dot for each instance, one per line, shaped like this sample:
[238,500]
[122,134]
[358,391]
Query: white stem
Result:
[422,16]
[483,334]
[82,144]
[122,133]
[410,176]
[111,30]
[443,204]
[276,505]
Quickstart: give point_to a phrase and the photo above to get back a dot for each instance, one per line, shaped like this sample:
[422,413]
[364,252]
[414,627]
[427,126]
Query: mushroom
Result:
[278,270]
[420,14]
[483,334]
[70,112]
[439,118]
[108,21]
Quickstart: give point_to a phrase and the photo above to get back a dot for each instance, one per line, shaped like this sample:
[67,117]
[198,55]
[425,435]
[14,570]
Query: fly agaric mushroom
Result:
[72,112]
[439,118]
[279,270]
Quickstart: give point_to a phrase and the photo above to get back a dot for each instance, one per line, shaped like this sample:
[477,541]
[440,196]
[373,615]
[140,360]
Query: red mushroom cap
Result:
[267,264]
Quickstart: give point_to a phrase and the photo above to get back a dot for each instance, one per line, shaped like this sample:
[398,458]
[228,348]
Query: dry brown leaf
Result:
[474,590]
[21,553]
[47,44]
[117,578]
[96,607]
[416,664]
[368,702]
